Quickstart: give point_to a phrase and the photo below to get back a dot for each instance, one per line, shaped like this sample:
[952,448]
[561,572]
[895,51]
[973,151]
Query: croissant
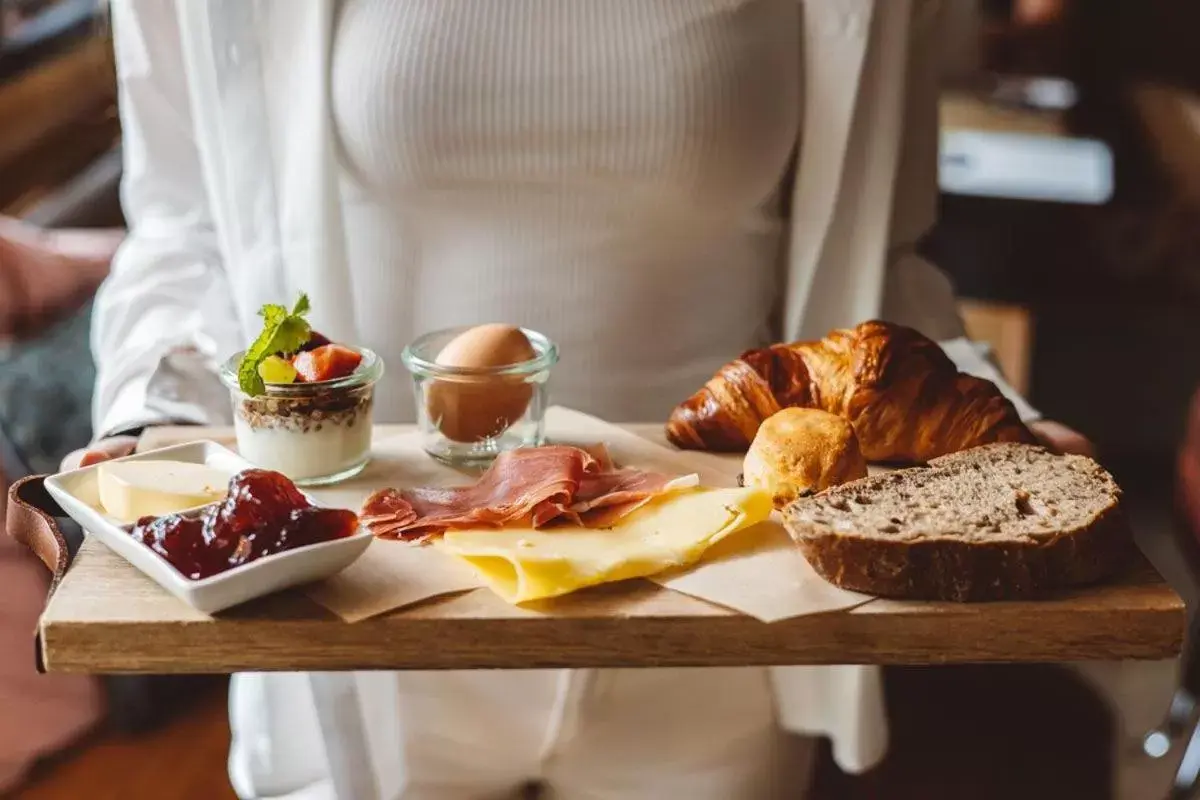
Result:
[904,396]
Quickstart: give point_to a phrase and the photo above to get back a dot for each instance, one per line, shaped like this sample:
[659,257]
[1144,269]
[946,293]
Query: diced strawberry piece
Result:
[327,363]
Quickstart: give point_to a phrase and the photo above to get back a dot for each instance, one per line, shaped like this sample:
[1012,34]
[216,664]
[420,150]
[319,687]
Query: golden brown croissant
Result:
[904,396]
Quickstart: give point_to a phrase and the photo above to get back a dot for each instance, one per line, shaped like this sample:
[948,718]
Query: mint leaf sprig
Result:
[283,332]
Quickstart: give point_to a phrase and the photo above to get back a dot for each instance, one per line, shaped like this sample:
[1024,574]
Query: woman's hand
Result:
[45,274]
[102,450]
[1061,439]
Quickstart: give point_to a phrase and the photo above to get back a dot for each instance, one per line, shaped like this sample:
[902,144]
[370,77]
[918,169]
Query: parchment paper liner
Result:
[758,571]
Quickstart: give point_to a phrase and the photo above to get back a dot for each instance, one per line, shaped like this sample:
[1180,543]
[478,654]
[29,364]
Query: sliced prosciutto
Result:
[606,497]
[535,486]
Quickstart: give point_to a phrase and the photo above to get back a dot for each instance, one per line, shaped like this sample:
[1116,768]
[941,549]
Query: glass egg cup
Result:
[469,415]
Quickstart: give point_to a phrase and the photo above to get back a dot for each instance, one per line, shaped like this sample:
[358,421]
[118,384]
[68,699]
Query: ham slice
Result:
[604,498]
[536,486]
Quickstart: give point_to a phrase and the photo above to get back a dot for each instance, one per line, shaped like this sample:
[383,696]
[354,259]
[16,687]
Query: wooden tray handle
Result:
[31,522]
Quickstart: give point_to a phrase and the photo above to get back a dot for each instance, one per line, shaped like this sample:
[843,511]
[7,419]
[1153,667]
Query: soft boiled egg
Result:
[471,408]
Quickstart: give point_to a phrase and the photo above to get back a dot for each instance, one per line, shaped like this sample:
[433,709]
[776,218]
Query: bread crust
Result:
[965,568]
[968,571]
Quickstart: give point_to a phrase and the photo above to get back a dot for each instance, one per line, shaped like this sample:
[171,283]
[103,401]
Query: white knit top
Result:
[603,171]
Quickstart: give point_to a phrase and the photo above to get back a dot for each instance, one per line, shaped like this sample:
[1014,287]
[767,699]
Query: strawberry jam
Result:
[263,513]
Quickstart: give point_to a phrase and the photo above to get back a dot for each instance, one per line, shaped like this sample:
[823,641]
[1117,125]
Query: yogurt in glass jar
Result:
[315,433]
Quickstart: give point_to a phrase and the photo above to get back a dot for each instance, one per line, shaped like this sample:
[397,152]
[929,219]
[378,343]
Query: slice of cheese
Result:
[523,564]
[130,490]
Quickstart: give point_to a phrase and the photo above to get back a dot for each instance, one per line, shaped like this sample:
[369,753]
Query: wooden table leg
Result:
[335,695]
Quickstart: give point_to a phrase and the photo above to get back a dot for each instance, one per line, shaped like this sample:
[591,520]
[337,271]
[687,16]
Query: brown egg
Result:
[470,409]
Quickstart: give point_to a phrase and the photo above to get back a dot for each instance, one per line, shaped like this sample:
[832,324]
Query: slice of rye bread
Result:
[1002,521]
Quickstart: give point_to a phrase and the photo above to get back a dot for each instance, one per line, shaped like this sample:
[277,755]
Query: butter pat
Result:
[522,564]
[130,490]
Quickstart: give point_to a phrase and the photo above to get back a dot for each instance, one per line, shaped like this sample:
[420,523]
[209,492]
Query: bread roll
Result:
[801,451]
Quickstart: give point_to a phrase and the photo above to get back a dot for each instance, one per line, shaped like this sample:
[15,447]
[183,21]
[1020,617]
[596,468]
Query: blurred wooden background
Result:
[57,113]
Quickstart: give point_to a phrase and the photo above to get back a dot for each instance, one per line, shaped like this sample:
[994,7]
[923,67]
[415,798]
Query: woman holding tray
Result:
[655,184]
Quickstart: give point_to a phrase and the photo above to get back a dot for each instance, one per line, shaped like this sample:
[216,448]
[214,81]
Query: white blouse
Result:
[638,144]
[603,171]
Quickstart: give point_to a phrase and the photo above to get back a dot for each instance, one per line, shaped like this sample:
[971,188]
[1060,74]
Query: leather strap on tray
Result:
[31,522]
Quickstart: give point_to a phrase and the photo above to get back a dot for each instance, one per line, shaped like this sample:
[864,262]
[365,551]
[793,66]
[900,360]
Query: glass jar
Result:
[314,433]
[469,415]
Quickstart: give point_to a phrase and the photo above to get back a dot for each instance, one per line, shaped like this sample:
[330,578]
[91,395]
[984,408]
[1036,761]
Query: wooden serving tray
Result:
[108,617]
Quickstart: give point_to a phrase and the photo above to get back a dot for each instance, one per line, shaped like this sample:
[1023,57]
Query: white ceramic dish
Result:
[78,494]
